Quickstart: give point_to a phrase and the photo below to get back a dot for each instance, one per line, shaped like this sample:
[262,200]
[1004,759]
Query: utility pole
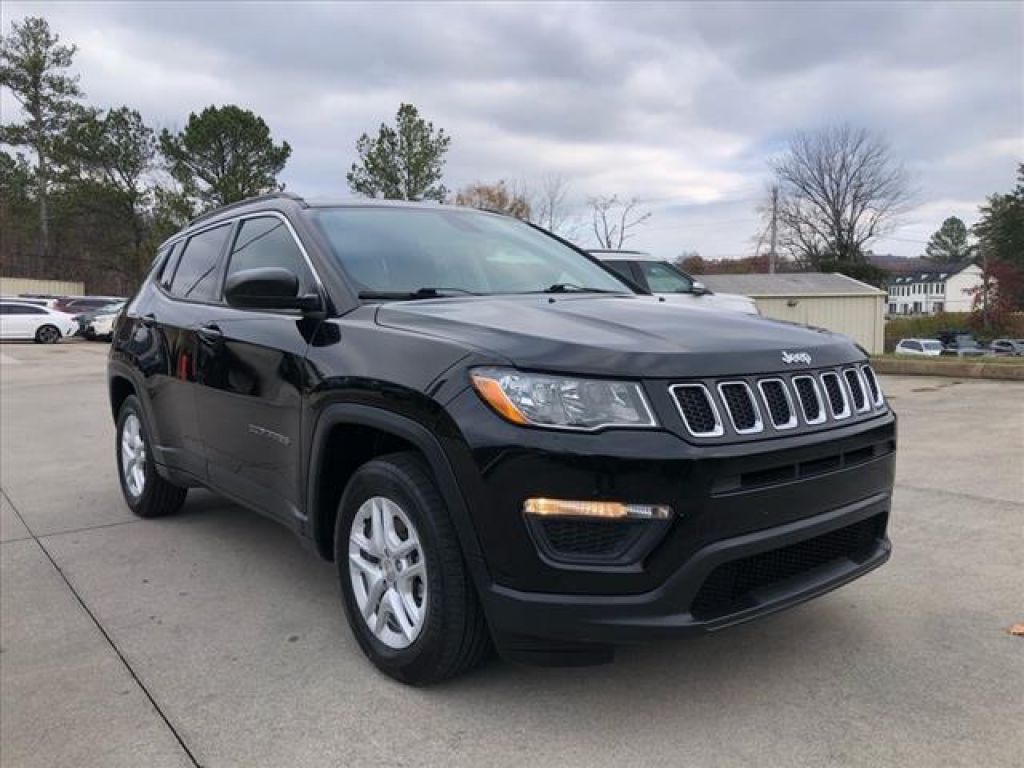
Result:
[774,228]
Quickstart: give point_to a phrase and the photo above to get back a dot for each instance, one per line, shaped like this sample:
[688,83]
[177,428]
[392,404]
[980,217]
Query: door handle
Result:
[210,332]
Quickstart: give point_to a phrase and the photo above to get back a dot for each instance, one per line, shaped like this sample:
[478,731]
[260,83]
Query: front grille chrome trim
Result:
[718,430]
[874,387]
[845,412]
[793,421]
[865,393]
[817,395]
[758,421]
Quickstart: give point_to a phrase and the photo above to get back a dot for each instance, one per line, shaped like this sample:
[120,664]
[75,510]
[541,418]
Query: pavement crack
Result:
[106,636]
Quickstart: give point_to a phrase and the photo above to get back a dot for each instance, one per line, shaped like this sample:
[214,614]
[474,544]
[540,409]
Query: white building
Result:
[946,288]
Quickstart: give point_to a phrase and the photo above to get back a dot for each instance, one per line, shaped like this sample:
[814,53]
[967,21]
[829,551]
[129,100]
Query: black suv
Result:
[491,435]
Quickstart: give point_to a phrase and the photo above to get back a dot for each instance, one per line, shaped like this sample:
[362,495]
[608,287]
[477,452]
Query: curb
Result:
[957,369]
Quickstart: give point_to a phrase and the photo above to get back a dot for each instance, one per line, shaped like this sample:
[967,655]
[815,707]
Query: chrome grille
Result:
[836,396]
[810,399]
[853,383]
[778,403]
[741,407]
[876,391]
[699,412]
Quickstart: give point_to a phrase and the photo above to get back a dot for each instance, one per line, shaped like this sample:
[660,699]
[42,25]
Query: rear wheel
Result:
[404,582]
[145,491]
[47,334]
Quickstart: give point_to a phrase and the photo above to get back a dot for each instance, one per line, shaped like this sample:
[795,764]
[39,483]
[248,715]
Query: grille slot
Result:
[873,388]
[731,587]
[739,402]
[700,415]
[778,403]
[856,387]
[810,399]
[836,396]
[585,539]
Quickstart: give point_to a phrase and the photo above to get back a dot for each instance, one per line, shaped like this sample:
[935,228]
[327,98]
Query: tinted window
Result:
[931,345]
[914,346]
[21,309]
[623,268]
[267,242]
[167,274]
[664,278]
[196,275]
[395,249]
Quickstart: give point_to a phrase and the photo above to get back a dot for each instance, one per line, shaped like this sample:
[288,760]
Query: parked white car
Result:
[100,323]
[919,347]
[21,320]
[663,278]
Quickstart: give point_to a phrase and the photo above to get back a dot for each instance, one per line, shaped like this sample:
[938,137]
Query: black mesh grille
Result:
[777,402]
[834,393]
[808,398]
[729,587]
[869,376]
[696,409]
[741,407]
[589,538]
[856,390]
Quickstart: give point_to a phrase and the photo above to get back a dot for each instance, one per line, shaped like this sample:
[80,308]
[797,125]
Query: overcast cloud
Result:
[678,105]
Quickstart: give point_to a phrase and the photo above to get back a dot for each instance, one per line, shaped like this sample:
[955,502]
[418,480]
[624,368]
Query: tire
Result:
[47,334]
[452,635]
[145,491]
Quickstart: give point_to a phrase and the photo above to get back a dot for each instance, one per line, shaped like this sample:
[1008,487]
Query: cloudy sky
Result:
[677,105]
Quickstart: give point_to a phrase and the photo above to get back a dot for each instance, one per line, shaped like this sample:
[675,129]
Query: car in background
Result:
[76,305]
[39,301]
[962,345]
[99,324]
[23,320]
[1007,347]
[919,347]
[665,279]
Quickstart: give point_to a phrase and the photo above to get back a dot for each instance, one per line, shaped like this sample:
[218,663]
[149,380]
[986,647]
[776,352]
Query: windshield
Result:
[404,250]
[932,345]
[664,278]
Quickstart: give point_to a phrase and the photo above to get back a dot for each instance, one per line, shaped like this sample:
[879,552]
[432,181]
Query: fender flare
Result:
[422,439]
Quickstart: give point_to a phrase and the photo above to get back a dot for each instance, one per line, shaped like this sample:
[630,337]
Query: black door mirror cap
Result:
[269,288]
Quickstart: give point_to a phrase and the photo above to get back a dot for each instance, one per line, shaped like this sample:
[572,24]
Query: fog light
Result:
[609,510]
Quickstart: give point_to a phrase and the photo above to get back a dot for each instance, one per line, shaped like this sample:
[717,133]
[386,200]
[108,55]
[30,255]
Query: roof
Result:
[934,274]
[790,284]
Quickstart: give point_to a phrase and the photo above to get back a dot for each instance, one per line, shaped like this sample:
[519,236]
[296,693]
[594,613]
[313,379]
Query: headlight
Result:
[561,402]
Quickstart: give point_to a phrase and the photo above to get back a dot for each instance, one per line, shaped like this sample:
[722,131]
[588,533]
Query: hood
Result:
[618,335]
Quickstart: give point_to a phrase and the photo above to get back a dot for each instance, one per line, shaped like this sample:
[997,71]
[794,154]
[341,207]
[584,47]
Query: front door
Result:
[251,380]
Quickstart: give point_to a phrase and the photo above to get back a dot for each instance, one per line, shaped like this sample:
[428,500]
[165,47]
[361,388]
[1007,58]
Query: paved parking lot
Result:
[213,638]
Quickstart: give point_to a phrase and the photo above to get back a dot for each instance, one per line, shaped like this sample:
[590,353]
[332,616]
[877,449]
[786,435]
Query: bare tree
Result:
[550,207]
[614,220]
[839,189]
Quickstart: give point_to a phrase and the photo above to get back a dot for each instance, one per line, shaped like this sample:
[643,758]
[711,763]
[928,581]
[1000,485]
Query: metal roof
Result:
[790,284]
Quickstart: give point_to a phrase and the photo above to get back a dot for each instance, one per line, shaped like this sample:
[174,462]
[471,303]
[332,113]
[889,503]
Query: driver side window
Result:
[266,241]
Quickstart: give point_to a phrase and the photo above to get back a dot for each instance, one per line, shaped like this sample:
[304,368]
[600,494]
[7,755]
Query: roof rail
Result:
[281,195]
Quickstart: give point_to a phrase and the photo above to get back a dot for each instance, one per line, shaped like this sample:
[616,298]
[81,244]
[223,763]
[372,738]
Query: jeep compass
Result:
[494,438]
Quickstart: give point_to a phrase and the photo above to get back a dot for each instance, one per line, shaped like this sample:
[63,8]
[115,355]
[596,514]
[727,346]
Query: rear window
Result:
[197,275]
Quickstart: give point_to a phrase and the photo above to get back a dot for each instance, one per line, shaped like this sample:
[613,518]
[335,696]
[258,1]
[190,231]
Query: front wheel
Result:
[146,493]
[47,334]
[404,583]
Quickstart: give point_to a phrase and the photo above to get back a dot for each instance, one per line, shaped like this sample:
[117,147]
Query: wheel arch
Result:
[390,431]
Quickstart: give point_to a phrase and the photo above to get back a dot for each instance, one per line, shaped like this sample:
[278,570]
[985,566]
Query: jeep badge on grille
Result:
[796,357]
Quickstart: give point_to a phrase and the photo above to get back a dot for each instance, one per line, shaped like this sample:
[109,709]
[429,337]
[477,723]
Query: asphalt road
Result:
[214,638]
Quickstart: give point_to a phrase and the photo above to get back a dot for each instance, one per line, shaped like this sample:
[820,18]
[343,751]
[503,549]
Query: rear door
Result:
[165,323]
[251,379]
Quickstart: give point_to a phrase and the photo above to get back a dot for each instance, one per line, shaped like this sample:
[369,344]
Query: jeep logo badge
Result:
[796,357]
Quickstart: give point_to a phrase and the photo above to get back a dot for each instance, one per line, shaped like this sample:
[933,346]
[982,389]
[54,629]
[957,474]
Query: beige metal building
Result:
[832,301]
[12,286]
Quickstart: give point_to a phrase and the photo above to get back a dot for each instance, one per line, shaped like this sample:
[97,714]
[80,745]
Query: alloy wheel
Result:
[388,572]
[133,455]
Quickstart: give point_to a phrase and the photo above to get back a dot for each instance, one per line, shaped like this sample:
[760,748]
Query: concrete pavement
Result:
[214,638]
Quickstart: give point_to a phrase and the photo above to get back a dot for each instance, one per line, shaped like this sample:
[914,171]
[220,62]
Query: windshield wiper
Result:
[419,293]
[573,288]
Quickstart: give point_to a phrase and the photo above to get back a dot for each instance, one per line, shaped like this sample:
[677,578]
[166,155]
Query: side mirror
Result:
[698,288]
[268,288]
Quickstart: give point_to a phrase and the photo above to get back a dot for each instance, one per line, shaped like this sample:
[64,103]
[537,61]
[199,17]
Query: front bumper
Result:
[671,609]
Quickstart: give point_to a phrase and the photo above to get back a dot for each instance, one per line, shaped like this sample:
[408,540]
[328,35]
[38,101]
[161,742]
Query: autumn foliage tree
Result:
[495,197]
